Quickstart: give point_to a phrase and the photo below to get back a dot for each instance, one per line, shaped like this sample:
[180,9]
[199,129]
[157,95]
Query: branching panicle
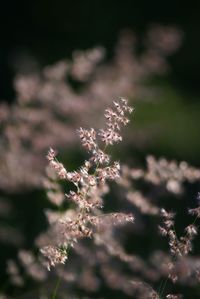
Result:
[89,180]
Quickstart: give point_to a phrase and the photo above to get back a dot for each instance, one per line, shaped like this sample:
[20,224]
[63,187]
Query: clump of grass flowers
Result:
[94,240]
[86,219]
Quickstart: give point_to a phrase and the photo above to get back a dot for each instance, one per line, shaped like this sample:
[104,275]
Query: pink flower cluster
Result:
[89,181]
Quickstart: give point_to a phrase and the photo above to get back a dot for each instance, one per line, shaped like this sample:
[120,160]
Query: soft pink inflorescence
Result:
[114,120]
[89,180]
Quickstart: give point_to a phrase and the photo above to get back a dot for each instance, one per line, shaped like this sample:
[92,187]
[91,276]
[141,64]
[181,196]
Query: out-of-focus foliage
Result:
[50,104]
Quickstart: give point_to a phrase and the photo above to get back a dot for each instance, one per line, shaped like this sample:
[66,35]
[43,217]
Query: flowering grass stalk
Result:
[90,186]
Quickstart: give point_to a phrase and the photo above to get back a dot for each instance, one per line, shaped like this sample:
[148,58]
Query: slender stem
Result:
[56,288]
[163,286]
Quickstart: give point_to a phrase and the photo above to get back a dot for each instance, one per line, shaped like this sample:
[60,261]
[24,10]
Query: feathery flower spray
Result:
[90,183]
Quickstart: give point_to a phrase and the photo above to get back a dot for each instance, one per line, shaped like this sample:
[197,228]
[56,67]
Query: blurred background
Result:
[35,34]
[61,64]
[47,31]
